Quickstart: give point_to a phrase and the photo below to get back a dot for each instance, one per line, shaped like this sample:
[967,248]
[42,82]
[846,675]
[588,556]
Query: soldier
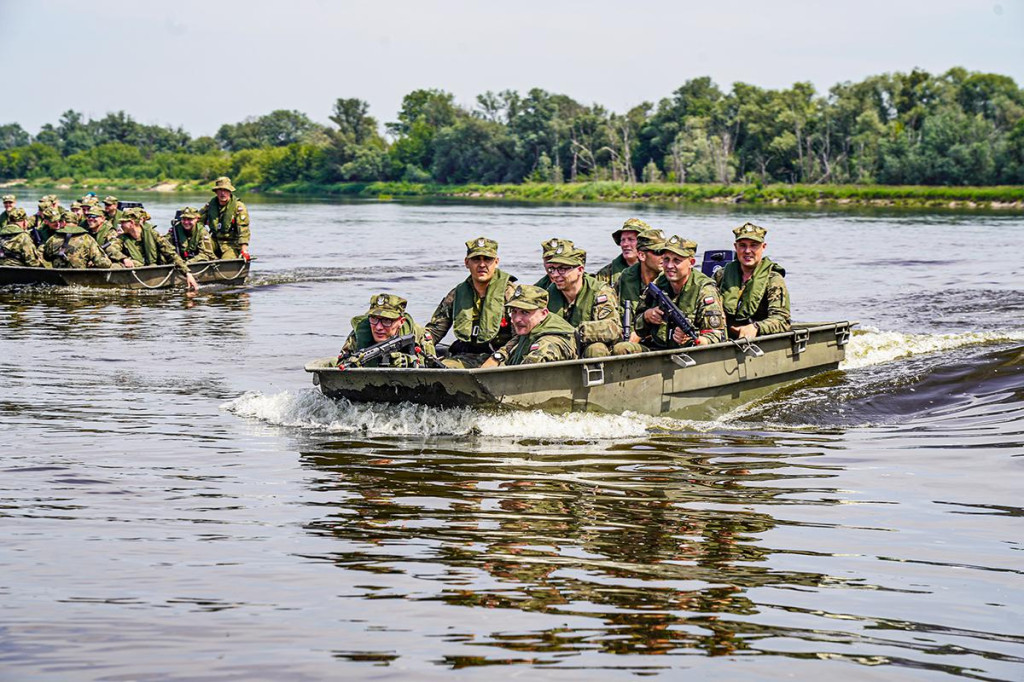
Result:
[541,335]
[8,200]
[35,221]
[77,214]
[16,245]
[753,287]
[104,233]
[142,245]
[110,211]
[625,238]
[637,276]
[586,303]
[228,220]
[53,220]
[546,249]
[475,309]
[190,240]
[385,319]
[72,246]
[693,292]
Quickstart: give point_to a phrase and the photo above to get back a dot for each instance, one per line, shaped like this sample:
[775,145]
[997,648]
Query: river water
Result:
[178,503]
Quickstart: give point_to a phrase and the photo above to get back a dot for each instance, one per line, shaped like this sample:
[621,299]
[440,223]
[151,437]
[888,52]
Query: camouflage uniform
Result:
[763,299]
[73,247]
[16,245]
[193,246]
[479,324]
[553,338]
[7,199]
[390,307]
[114,219]
[630,286]
[151,248]
[610,273]
[229,224]
[699,300]
[594,313]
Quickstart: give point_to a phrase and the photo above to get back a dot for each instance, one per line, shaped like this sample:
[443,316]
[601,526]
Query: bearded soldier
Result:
[228,220]
[753,287]
[475,309]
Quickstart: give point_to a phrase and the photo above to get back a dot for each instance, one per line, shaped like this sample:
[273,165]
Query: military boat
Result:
[233,271]
[689,383]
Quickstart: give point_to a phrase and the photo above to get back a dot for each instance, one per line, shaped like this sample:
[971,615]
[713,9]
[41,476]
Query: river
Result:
[177,501]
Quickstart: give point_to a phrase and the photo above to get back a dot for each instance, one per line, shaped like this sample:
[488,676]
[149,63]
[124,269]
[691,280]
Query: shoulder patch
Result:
[601,299]
[708,300]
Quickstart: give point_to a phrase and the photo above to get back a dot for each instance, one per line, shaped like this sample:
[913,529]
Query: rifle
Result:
[386,347]
[672,312]
[178,246]
[627,320]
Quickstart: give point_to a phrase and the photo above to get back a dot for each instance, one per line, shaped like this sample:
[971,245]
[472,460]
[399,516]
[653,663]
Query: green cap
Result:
[555,245]
[16,215]
[482,246]
[189,212]
[650,240]
[76,204]
[44,203]
[750,231]
[90,201]
[680,246]
[567,257]
[8,197]
[95,212]
[527,297]
[52,198]
[132,214]
[387,305]
[110,200]
[631,225]
[223,182]
[52,214]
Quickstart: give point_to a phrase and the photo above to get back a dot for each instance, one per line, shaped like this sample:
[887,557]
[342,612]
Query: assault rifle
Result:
[627,320]
[672,313]
[396,344]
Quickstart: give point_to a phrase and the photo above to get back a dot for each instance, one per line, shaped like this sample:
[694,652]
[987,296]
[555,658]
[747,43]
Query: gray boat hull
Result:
[145,277]
[691,383]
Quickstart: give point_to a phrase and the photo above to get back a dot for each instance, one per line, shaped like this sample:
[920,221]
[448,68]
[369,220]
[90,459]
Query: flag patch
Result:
[708,300]
[535,346]
[601,299]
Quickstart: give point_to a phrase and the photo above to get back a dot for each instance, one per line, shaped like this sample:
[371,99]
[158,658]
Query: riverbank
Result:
[999,197]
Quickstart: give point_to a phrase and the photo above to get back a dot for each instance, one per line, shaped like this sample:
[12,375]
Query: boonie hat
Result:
[680,246]
[223,182]
[650,240]
[482,246]
[527,297]
[750,231]
[631,225]
[386,305]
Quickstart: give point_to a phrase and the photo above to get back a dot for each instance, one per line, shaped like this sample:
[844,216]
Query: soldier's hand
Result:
[245,252]
[191,284]
[680,337]
[402,360]
[747,331]
[128,263]
[654,316]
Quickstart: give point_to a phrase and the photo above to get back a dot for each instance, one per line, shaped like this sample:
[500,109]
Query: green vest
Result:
[686,301]
[221,219]
[144,250]
[552,325]
[483,328]
[579,311]
[741,301]
[364,337]
[187,244]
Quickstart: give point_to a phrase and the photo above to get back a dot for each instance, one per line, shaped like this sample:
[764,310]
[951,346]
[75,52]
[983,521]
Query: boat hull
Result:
[692,383]
[228,272]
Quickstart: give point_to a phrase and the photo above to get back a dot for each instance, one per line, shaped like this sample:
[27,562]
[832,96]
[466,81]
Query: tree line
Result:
[957,128]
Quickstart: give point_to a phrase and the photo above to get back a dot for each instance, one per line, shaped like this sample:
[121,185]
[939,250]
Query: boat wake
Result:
[871,346]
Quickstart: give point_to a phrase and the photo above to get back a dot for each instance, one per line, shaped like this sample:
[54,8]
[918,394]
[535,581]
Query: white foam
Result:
[871,346]
[311,409]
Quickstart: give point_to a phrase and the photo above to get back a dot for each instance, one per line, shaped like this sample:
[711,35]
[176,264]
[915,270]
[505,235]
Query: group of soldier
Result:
[108,234]
[570,313]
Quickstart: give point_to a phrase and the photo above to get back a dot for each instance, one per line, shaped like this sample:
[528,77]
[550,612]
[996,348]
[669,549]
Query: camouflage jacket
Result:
[551,340]
[361,337]
[228,223]
[74,247]
[594,313]
[195,246]
[763,299]
[610,273]
[151,249]
[699,300]
[17,248]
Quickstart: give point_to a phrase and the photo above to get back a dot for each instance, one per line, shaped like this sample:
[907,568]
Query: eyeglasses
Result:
[376,321]
[559,270]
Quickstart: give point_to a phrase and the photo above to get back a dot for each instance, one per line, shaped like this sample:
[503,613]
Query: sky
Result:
[200,64]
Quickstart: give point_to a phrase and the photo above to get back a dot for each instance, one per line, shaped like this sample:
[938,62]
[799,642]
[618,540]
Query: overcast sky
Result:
[199,64]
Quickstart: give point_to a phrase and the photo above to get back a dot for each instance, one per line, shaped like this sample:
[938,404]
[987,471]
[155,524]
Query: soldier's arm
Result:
[96,258]
[169,254]
[551,349]
[709,317]
[242,221]
[206,251]
[348,348]
[34,256]
[777,295]
[441,321]
[605,324]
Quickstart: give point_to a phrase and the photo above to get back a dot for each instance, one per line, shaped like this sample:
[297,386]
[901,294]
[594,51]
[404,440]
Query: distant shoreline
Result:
[998,198]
